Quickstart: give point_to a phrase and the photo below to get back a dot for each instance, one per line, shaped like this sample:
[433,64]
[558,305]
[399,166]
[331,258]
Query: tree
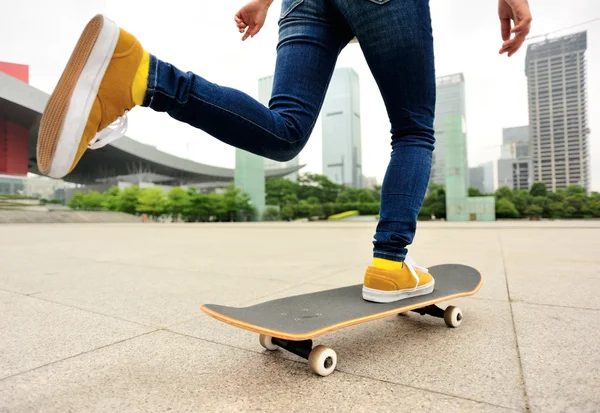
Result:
[318,186]
[343,198]
[92,201]
[522,199]
[556,209]
[594,207]
[237,203]
[543,203]
[573,190]
[506,209]
[557,196]
[111,199]
[204,207]
[534,211]
[281,192]
[504,192]
[287,213]
[152,201]
[128,200]
[178,201]
[435,201]
[538,189]
[576,202]
[475,192]
[271,214]
[76,201]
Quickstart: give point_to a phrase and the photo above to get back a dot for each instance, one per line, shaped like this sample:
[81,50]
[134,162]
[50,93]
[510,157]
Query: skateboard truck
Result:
[452,315]
[321,359]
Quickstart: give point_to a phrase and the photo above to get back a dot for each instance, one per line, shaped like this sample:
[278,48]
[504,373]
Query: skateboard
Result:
[292,322]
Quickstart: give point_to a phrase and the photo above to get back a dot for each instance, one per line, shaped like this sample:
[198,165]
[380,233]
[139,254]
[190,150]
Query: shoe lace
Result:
[412,266]
[111,133]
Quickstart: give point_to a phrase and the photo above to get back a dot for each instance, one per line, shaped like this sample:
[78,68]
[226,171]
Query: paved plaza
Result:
[106,318]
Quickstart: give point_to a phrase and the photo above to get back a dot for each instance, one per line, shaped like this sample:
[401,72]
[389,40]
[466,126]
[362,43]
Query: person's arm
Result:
[517,12]
[251,18]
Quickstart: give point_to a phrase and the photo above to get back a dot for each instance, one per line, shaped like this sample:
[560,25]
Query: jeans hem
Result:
[389,256]
[152,81]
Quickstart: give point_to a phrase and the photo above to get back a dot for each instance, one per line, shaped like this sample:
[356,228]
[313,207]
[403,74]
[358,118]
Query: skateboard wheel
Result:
[267,342]
[322,360]
[453,316]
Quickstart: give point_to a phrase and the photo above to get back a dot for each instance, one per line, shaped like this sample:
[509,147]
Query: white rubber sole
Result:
[379,296]
[82,99]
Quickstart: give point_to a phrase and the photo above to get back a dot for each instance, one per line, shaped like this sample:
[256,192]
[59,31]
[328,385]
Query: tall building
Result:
[450,102]
[450,163]
[482,177]
[556,79]
[514,165]
[342,152]
[249,176]
[265,88]
[459,206]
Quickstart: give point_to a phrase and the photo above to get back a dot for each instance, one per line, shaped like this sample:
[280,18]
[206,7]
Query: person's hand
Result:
[516,11]
[251,18]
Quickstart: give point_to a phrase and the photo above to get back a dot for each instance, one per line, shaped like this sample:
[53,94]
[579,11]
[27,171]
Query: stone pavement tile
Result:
[478,248]
[569,276]
[275,253]
[31,272]
[264,252]
[36,332]
[151,296]
[477,361]
[560,357]
[164,371]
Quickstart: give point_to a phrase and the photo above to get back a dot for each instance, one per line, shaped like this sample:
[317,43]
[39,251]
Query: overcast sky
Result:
[201,36]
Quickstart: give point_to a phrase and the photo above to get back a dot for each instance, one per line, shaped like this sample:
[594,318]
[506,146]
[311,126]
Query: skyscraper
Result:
[556,78]
[482,177]
[342,152]
[265,87]
[450,102]
[514,165]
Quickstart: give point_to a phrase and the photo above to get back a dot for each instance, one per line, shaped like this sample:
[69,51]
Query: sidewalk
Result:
[106,318]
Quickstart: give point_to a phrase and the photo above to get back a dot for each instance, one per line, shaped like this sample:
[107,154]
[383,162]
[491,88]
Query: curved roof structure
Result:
[23,104]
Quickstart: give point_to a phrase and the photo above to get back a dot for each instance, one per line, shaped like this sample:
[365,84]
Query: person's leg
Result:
[110,73]
[396,39]
[310,39]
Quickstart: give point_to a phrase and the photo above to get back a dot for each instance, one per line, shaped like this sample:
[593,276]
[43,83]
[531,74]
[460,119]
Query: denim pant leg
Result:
[397,41]
[309,43]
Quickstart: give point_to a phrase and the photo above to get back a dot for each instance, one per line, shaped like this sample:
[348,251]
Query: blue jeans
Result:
[397,42]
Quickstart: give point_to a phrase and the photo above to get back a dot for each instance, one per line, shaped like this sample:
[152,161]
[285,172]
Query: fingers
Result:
[522,19]
[523,26]
[252,31]
[505,28]
[513,45]
[240,23]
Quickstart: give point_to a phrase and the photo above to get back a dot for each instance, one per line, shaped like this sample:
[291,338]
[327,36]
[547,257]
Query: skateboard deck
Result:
[292,322]
[307,316]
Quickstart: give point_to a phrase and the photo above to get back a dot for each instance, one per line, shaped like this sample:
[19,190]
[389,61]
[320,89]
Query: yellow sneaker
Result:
[94,91]
[386,286]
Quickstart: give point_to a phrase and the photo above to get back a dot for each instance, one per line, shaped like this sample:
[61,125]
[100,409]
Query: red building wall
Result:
[16,70]
[13,149]
[13,138]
